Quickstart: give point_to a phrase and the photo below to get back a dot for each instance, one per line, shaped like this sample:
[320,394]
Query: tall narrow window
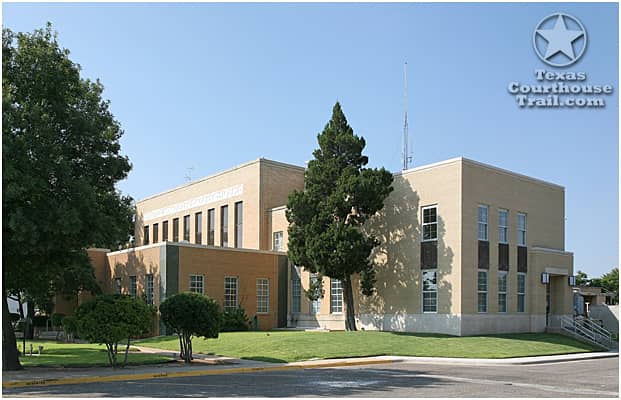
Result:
[336,296]
[230,293]
[263,295]
[521,229]
[224,226]
[133,286]
[315,306]
[117,285]
[296,295]
[198,228]
[186,228]
[239,224]
[503,226]
[176,230]
[430,223]
[430,291]
[156,228]
[146,235]
[502,291]
[482,292]
[148,288]
[483,218]
[164,231]
[211,227]
[277,242]
[197,283]
[521,292]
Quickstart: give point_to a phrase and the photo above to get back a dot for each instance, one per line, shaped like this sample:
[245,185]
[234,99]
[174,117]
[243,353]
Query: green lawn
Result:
[78,355]
[297,346]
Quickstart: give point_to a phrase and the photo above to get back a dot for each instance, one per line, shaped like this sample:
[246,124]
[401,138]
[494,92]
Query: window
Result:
[430,291]
[483,213]
[239,223]
[503,228]
[315,306]
[156,232]
[133,287]
[186,228]
[211,227]
[482,292]
[277,243]
[176,230]
[521,229]
[430,223]
[263,295]
[230,293]
[336,296]
[296,295]
[146,234]
[198,228]
[197,283]
[149,288]
[224,226]
[164,231]
[117,285]
[502,291]
[521,292]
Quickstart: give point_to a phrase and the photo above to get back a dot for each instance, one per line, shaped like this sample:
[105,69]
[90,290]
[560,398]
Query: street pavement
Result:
[406,378]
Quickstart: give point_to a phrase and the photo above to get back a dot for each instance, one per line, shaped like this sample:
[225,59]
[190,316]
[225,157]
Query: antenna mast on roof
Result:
[407,158]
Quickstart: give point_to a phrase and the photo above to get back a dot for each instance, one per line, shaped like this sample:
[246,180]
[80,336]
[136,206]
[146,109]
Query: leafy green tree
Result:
[609,282]
[60,163]
[191,314]
[112,319]
[70,327]
[326,218]
[582,279]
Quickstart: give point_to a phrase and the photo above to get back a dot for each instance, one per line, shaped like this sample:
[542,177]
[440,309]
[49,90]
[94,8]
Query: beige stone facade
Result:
[439,267]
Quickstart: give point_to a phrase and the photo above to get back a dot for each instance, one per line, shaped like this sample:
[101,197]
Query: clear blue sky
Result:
[215,85]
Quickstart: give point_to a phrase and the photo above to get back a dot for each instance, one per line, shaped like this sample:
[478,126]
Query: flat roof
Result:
[405,172]
[478,164]
[226,171]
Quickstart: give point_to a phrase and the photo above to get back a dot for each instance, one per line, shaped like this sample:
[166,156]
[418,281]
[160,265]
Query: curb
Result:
[159,375]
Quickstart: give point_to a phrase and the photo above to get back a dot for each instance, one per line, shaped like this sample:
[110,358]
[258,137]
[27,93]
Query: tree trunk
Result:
[10,357]
[126,352]
[30,315]
[348,297]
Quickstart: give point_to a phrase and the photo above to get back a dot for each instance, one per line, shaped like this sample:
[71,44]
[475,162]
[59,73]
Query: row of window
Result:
[503,225]
[503,289]
[198,227]
[430,225]
[336,297]
[133,287]
[231,288]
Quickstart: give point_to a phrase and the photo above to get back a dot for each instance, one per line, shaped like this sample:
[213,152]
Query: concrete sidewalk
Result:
[214,365]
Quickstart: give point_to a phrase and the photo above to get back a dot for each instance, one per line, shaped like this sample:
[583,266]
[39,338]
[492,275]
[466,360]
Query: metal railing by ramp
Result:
[586,329]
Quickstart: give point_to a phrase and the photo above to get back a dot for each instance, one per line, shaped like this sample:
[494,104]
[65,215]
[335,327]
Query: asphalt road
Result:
[588,378]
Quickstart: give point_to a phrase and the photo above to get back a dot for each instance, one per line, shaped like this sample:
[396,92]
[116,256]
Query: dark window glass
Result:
[211,227]
[224,226]
[164,231]
[239,223]
[155,232]
[186,228]
[146,235]
[198,228]
[176,230]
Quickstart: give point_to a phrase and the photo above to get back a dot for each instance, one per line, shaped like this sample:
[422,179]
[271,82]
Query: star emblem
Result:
[560,40]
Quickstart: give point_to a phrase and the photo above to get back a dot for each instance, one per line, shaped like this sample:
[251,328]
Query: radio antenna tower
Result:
[407,158]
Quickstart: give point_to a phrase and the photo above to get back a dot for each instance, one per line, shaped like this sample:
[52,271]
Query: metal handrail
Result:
[588,330]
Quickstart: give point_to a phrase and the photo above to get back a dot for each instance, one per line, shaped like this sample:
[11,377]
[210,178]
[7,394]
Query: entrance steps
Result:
[586,330]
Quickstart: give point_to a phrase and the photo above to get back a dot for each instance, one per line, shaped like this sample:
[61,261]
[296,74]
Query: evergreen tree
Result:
[340,195]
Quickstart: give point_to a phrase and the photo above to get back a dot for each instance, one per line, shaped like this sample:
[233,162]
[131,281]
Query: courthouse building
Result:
[466,248]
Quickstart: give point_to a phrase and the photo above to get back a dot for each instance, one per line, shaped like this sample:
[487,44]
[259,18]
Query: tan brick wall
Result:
[277,182]
[248,266]
[246,175]
[277,222]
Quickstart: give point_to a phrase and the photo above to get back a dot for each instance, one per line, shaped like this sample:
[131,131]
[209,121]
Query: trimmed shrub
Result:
[234,321]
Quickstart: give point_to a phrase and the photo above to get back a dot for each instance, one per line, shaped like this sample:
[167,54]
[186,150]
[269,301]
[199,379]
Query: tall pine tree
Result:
[325,219]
